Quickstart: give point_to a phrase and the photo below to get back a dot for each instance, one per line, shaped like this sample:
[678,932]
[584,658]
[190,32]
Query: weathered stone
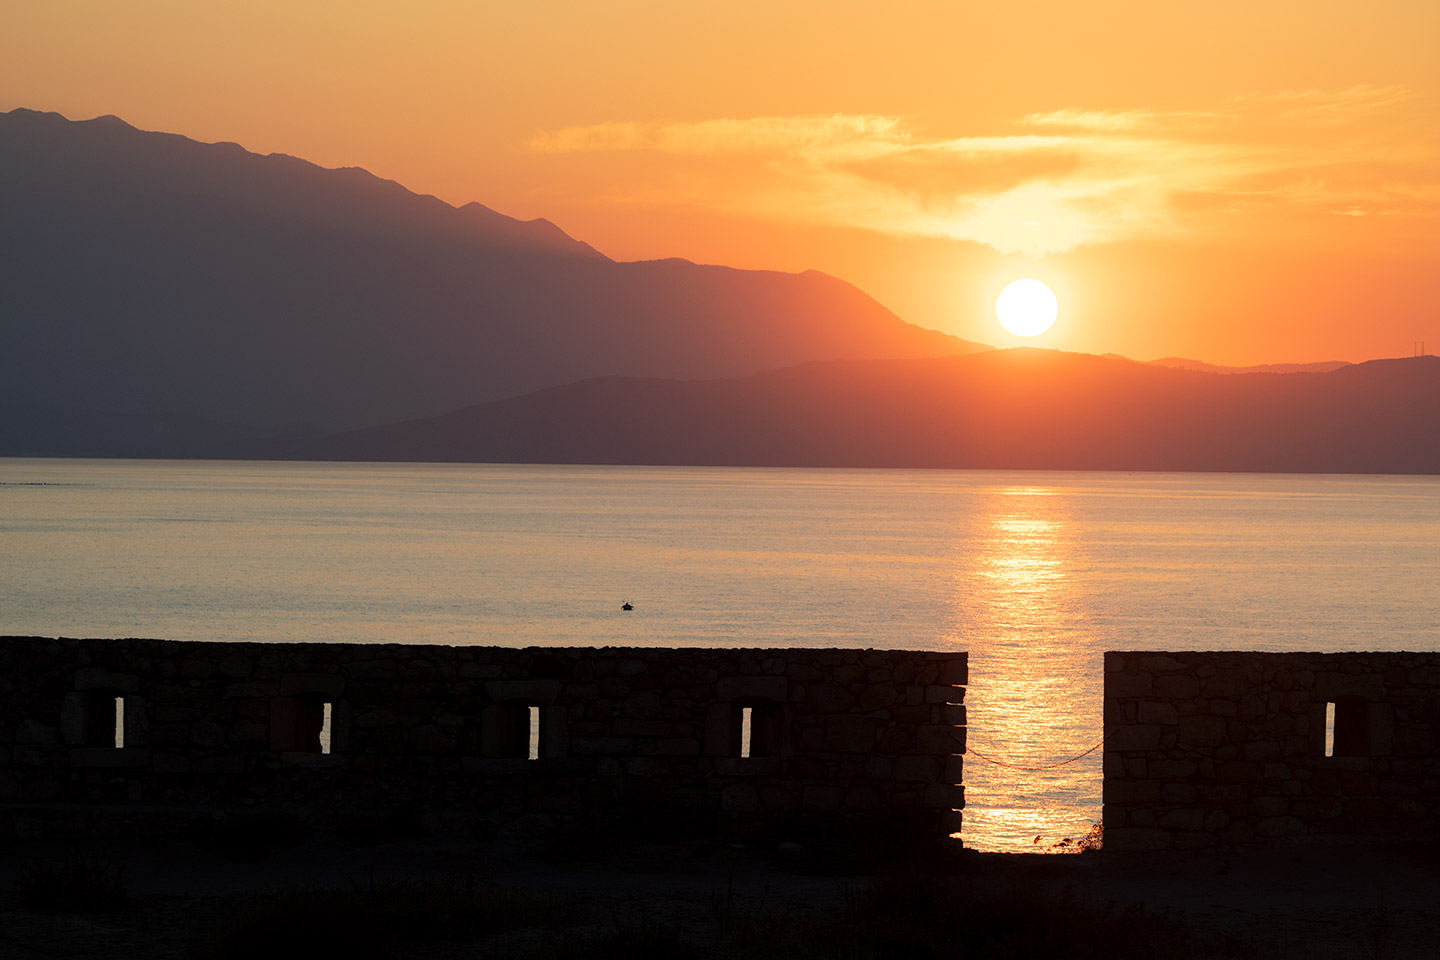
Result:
[924,769]
[940,740]
[850,734]
[429,739]
[739,797]
[1177,687]
[1201,731]
[1154,712]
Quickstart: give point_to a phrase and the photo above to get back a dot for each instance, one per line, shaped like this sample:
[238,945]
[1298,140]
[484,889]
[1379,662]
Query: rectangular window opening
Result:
[119,723]
[1330,729]
[325,728]
[747,716]
[533,748]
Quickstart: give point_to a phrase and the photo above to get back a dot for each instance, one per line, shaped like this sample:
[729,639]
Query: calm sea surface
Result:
[1036,574]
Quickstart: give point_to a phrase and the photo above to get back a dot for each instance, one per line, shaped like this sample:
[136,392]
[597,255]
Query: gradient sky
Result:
[1237,182]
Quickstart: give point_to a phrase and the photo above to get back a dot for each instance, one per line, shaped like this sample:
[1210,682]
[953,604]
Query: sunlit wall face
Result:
[1017,587]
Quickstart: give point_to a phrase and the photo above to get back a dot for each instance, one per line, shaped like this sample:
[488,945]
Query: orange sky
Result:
[1241,182]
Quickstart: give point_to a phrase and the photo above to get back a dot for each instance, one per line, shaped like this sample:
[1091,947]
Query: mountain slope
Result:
[1012,409]
[151,277]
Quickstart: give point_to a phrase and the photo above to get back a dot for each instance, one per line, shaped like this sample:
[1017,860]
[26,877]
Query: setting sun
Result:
[1026,308]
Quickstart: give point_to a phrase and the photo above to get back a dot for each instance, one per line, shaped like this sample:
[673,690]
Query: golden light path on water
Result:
[1020,602]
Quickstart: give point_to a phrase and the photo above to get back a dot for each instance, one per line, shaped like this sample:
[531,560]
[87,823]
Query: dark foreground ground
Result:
[264,895]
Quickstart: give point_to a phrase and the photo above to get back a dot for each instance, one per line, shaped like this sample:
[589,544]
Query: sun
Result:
[1026,308]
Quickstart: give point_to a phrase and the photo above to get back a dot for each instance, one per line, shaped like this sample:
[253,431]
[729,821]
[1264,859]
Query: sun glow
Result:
[1026,308]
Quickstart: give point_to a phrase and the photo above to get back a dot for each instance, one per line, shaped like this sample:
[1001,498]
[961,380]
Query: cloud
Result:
[1055,181]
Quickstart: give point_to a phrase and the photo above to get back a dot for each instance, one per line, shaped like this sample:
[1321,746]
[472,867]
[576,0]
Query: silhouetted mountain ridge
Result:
[1010,409]
[149,278]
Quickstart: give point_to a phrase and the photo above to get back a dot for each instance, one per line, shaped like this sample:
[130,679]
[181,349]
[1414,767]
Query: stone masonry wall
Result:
[1229,749]
[623,732]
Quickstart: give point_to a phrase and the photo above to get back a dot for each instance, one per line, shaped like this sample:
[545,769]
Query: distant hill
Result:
[152,286]
[1324,366]
[1011,409]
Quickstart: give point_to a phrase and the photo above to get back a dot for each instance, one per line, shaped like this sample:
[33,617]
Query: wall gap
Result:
[1330,728]
[746,725]
[119,723]
[533,747]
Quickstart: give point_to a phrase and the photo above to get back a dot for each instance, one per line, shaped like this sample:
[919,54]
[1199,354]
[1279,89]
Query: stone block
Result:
[878,696]
[776,689]
[429,739]
[39,734]
[237,666]
[1189,818]
[739,797]
[829,698]
[849,734]
[645,705]
[1280,827]
[1154,711]
[950,714]
[95,678]
[943,796]
[127,758]
[923,769]
[1131,791]
[954,771]
[207,733]
[1201,731]
[252,690]
[1173,769]
[944,693]
[534,692]
[1128,685]
[955,670]
[625,727]
[1134,736]
[939,741]
[1336,686]
[331,685]
[1177,687]
[672,747]
[822,798]
[1177,793]
[747,766]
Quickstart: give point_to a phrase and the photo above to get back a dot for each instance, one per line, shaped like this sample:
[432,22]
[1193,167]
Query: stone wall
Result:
[332,730]
[1229,749]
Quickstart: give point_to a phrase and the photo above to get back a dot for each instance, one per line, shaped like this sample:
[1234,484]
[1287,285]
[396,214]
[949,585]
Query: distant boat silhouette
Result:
[627,605]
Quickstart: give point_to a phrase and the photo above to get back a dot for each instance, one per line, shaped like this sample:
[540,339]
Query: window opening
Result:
[1330,729]
[1351,733]
[756,729]
[532,750]
[311,725]
[104,719]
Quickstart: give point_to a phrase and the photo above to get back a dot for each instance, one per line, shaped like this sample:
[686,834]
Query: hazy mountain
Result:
[1323,366]
[154,286]
[1011,409]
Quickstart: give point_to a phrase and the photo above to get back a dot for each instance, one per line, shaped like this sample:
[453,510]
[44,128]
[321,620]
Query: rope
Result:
[1044,766]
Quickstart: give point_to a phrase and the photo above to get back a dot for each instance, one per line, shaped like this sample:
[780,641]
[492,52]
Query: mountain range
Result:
[1004,409]
[165,297]
[175,295]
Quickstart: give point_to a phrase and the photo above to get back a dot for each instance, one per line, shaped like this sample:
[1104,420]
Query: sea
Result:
[1036,574]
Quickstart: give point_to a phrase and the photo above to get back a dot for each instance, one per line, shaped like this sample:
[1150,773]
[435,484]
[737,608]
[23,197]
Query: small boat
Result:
[627,605]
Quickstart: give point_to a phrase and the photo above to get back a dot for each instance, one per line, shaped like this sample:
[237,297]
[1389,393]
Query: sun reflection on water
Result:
[1019,595]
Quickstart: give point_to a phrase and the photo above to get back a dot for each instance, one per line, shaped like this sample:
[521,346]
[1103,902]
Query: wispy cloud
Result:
[1055,181]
